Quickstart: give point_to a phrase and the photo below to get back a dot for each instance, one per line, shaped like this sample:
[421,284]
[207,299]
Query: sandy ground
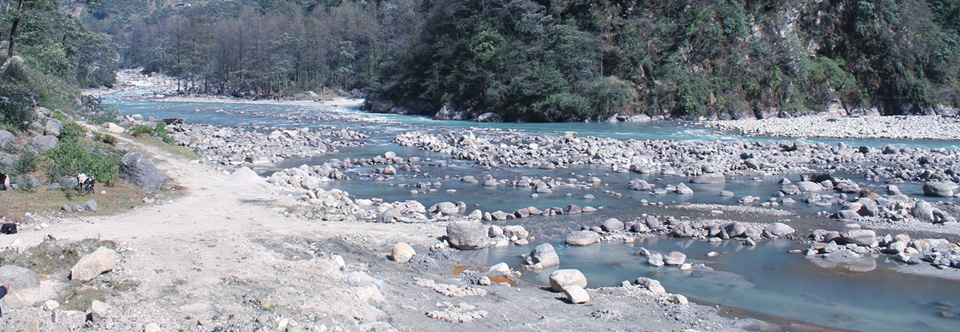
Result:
[224,258]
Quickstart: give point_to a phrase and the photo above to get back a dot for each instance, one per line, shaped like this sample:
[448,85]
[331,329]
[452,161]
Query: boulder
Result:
[938,189]
[402,252]
[561,279]
[45,142]
[923,211]
[90,206]
[652,285]
[24,286]
[6,138]
[448,113]
[682,189]
[139,171]
[860,237]
[542,256]
[113,128]
[446,208]
[582,238]
[92,265]
[778,229]
[639,184]
[612,225]
[655,260]
[711,178]
[52,127]
[674,258]
[467,235]
[489,117]
[577,295]
[808,186]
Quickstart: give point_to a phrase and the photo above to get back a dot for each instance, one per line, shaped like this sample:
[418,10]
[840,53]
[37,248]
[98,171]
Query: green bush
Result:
[72,132]
[161,132]
[16,107]
[110,139]
[27,163]
[71,158]
[104,115]
[141,130]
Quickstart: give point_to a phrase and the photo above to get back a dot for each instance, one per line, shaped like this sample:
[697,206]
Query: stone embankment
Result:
[932,127]
[695,159]
[231,148]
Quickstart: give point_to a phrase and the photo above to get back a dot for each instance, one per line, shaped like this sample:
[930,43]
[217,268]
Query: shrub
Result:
[27,163]
[141,130]
[161,132]
[72,132]
[103,115]
[16,107]
[71,158]
[110,139]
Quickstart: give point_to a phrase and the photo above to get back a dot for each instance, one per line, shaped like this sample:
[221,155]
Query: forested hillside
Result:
[48,52]
[561,60]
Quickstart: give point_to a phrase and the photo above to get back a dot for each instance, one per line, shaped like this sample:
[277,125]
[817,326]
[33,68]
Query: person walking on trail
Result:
[4,289]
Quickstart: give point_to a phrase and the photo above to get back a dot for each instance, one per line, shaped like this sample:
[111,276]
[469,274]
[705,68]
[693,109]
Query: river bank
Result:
[915,127]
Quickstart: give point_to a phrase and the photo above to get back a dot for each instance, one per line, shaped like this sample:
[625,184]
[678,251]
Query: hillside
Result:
[560,60]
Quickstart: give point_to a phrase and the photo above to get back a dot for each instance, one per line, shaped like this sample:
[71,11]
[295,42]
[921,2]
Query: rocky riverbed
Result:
[329,260]
[933,127]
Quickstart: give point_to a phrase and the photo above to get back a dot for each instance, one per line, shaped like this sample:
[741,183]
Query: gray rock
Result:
[139,171]
[469,179]
[938,189]
[46,142]
[652,285]
[561,279]
[6,138]
[90,206]
[712,178]
[845,215]
[573,209]
[543,256]
[682,189]
[860,237]
[467,235]
[19,278]
[778,229]
[736,229]
[402,252]
[446,208]
[639,184]
[612,225]
[923,211]
[93,264]
[577,295]
[489,117]
[655,260]
[52,127]
[390,215]
[674,258]
[582,238]
[808,186]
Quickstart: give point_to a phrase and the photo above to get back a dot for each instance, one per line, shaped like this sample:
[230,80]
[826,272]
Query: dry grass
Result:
[175,150]
[110,200]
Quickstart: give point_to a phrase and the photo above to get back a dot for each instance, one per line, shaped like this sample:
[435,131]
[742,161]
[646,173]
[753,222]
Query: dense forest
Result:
[48,52]
[560,60]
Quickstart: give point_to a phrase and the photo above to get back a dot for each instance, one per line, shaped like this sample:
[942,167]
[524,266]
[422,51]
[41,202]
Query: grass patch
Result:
[118,198]
[53,257]
[81,297]
[175,150]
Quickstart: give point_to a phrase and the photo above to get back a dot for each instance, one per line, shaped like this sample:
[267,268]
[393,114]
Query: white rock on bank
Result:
[402,252]
[92,265]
